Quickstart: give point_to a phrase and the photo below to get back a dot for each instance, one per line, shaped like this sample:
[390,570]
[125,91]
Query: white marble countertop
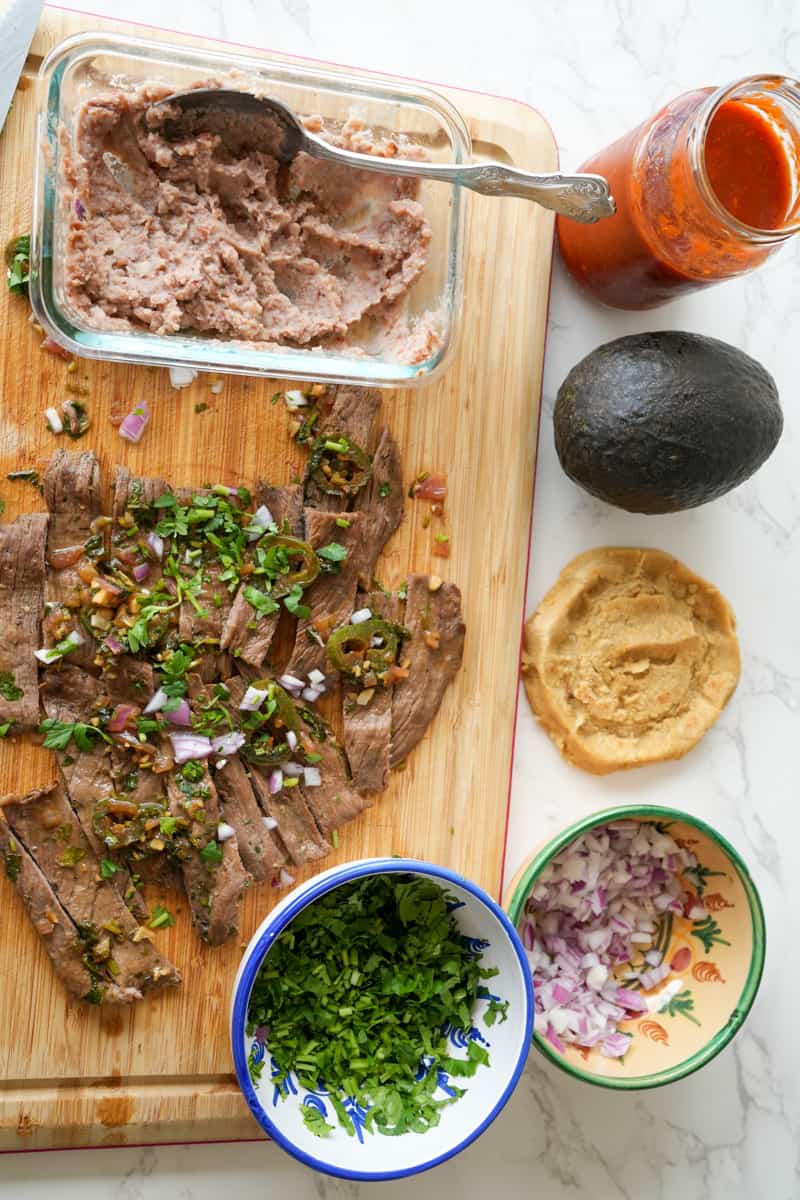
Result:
[594,68]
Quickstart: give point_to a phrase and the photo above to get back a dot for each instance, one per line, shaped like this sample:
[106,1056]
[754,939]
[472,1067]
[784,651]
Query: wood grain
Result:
[71,1075]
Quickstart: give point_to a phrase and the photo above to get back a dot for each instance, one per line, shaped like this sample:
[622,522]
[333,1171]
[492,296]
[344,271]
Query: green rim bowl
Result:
[719,958]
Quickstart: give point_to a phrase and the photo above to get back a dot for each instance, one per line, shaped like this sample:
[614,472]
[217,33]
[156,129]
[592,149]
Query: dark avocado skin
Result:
[659,422]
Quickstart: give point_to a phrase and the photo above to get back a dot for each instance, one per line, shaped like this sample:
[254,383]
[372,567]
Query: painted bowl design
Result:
[717,959]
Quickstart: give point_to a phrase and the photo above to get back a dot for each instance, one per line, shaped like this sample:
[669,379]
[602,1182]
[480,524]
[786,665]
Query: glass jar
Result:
[705,190]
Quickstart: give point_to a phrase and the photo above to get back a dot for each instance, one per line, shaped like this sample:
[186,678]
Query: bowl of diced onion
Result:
[645,937]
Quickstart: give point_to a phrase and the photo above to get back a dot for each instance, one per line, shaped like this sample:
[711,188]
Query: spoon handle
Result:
[583,198]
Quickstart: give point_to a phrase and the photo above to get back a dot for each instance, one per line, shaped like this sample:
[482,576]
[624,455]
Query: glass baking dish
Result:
[84,65]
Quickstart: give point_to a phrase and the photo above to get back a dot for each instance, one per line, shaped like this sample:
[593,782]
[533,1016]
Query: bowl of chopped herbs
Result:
[381,1018]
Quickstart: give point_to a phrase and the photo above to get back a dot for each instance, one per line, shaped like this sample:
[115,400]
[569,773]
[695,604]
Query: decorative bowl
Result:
[368,1155]
[718,959]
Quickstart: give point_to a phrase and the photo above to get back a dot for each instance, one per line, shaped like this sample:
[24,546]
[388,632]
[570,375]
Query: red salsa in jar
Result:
[705,190]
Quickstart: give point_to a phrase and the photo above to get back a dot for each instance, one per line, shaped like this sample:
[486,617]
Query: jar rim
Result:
[780,85]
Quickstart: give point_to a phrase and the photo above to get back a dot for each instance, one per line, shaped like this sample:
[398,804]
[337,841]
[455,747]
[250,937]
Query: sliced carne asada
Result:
[367,715]
[331,598]
[22,583]
[212,871]
[49,830]
[57,932]
[381,503]
[433,654]
[246,634]
[71,695]
[332,801]
[295,823]
[73,494]
[261,850]
[348,412]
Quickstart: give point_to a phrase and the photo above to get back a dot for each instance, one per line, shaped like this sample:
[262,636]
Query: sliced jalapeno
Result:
[368,648]
[339,466]
[281,550]
[276,716]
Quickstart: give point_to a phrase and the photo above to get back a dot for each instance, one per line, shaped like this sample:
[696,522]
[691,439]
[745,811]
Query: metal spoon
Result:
[583,198]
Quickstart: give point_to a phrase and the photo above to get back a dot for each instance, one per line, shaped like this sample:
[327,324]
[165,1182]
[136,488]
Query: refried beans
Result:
[182,223]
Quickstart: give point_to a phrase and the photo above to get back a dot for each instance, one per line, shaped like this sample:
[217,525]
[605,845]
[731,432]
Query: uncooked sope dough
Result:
[629,659]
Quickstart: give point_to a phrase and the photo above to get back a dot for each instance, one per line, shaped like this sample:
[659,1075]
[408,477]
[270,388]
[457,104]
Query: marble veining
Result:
[594,68]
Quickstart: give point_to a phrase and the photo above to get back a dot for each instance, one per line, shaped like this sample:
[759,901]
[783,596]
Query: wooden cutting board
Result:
[71,1075]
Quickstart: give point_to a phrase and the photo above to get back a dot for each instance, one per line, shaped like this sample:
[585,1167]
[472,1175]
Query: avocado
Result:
[659,422]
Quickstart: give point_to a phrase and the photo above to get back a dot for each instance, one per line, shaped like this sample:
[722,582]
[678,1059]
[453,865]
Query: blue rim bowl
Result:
[462,1122]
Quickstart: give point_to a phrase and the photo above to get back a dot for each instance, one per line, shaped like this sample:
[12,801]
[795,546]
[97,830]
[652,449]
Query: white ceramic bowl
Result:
[373,1156]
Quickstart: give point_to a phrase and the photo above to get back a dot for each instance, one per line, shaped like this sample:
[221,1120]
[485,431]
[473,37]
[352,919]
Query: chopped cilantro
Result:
[8,687]
[293,602]
[384,489]
[71,856]
[212,853]
[108,869]
[60,733]
[18,255]
[334,552]
[193,771]
[357,992]
[261,602]
[168,825]
[315,1122]
[161,918]
[4,728]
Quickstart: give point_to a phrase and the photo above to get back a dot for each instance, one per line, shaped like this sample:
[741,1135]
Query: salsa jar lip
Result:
[783,87]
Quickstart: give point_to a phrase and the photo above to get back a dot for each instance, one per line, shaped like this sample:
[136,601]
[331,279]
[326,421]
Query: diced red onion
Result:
[360,616]
[225,832]
[315,677]
[113,645]
[312,777]
[51,654]
[295,399]
[261,519]
[275,782]
[270,822]
[156,702]
[290,683]
[135,423]
[228,743]
[589,926]
[141,571]
[182,715]
[181,377]
[292,770]
[253,699]
[80,211]
[285,878]
[291,739]
[311,694]
[53,418]
[156,544]
[122,714]
[188,746]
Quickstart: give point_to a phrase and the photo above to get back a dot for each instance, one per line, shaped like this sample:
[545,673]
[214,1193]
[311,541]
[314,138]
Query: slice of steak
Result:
[434,653]
[333,802]
[56,929]
[214,886]
[348,411]
[331,596]
[368,727]
[22,584]
[260,848]
[381,503]
[49,830]
[295,823]
[71,695]
[132,490]
[73,494]
[248,636]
